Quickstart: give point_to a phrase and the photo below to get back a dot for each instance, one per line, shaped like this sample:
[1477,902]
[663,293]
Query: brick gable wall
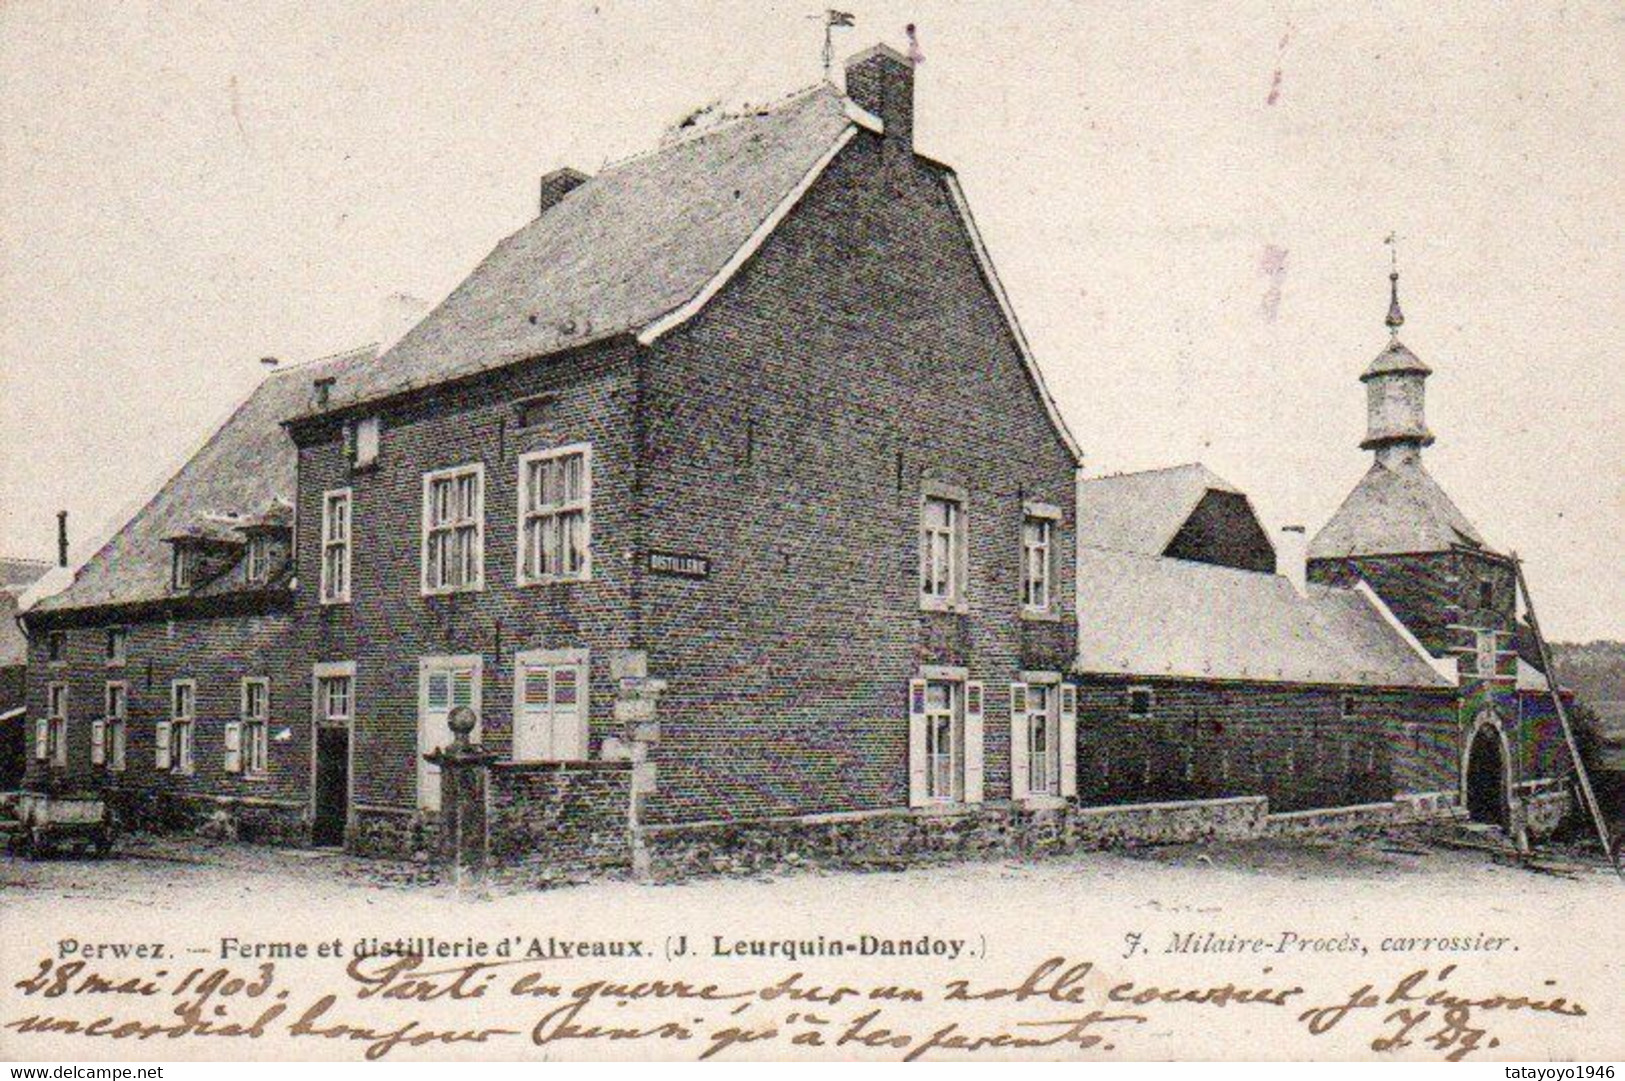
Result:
[790,426]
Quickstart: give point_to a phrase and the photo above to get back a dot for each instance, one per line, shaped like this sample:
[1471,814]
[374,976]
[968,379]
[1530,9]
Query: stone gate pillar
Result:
[464,771]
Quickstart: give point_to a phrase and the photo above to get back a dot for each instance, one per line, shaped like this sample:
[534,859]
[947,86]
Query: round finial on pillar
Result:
[462,722]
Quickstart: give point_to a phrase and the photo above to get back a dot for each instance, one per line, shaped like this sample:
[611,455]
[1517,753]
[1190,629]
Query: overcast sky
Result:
[1188,211]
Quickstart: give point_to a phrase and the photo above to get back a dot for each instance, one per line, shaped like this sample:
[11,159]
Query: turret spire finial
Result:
[1396,317]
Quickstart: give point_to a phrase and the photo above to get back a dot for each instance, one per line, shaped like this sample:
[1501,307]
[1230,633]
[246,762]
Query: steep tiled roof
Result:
[626,247]
[1394,510]
[245,466]
[1142,512]
[1150,616]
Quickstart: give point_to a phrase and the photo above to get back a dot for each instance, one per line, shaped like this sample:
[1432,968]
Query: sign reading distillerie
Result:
[679,565]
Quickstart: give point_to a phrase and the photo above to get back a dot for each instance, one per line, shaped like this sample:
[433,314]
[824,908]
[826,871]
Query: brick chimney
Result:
[1292,557]
[556,185]
[881,80]
[62,538]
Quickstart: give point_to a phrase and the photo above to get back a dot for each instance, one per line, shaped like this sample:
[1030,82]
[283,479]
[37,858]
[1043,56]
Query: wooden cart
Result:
[46,820]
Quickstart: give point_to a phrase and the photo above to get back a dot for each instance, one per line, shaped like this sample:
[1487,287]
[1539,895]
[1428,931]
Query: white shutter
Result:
[42,738]
[532,736]
[119,736]
[973,741]
[234,746]
[434,732]
[1069,740]
[98,742]
[161,744]
[1018,741]
[569,713]
[917,781]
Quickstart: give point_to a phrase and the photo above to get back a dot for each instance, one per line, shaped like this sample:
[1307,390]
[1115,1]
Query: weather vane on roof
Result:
[832,19]
[1396,317]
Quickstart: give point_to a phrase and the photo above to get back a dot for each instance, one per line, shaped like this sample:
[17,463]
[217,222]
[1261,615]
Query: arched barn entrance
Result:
[1486,777]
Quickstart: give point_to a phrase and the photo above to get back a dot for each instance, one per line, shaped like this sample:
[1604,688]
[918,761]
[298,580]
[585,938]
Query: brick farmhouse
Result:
[730,477]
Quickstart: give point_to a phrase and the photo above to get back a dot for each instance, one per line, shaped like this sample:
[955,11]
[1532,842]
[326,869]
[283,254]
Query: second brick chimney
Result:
[881,80]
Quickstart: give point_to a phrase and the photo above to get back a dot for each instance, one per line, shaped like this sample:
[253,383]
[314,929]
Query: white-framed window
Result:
[444,684]
[550,705]
[118,645]
[335,585]
[1141,702]
[185,563]
[368,438]
[174,737]
[1043,757]
[1043,736]
[56,647]
[53,735]
[248,741]
[454,529]
[945,739]
[942,548]
[257,563]
[555,515]
[1038,522]
[335,697]
[110,740]
[1349,707]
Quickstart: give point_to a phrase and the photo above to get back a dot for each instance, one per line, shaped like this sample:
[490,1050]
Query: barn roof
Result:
[1143,615]
[1143,512]
[244,472]
[1394,510]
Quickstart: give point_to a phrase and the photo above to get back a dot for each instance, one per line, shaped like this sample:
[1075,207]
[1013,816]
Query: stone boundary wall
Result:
[1418,807]
[893,840]
[551,822]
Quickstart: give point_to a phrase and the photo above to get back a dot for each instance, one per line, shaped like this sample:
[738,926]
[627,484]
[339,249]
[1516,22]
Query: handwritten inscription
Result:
[381,1003]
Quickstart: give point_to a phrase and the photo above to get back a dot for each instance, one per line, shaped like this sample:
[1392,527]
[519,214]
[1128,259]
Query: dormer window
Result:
[184,567]
[258,561]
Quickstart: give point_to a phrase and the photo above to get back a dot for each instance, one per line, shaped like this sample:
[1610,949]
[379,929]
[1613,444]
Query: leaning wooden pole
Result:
[1586,791]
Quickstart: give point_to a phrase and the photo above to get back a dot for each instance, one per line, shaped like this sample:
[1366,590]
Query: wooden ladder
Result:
[1588,794]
